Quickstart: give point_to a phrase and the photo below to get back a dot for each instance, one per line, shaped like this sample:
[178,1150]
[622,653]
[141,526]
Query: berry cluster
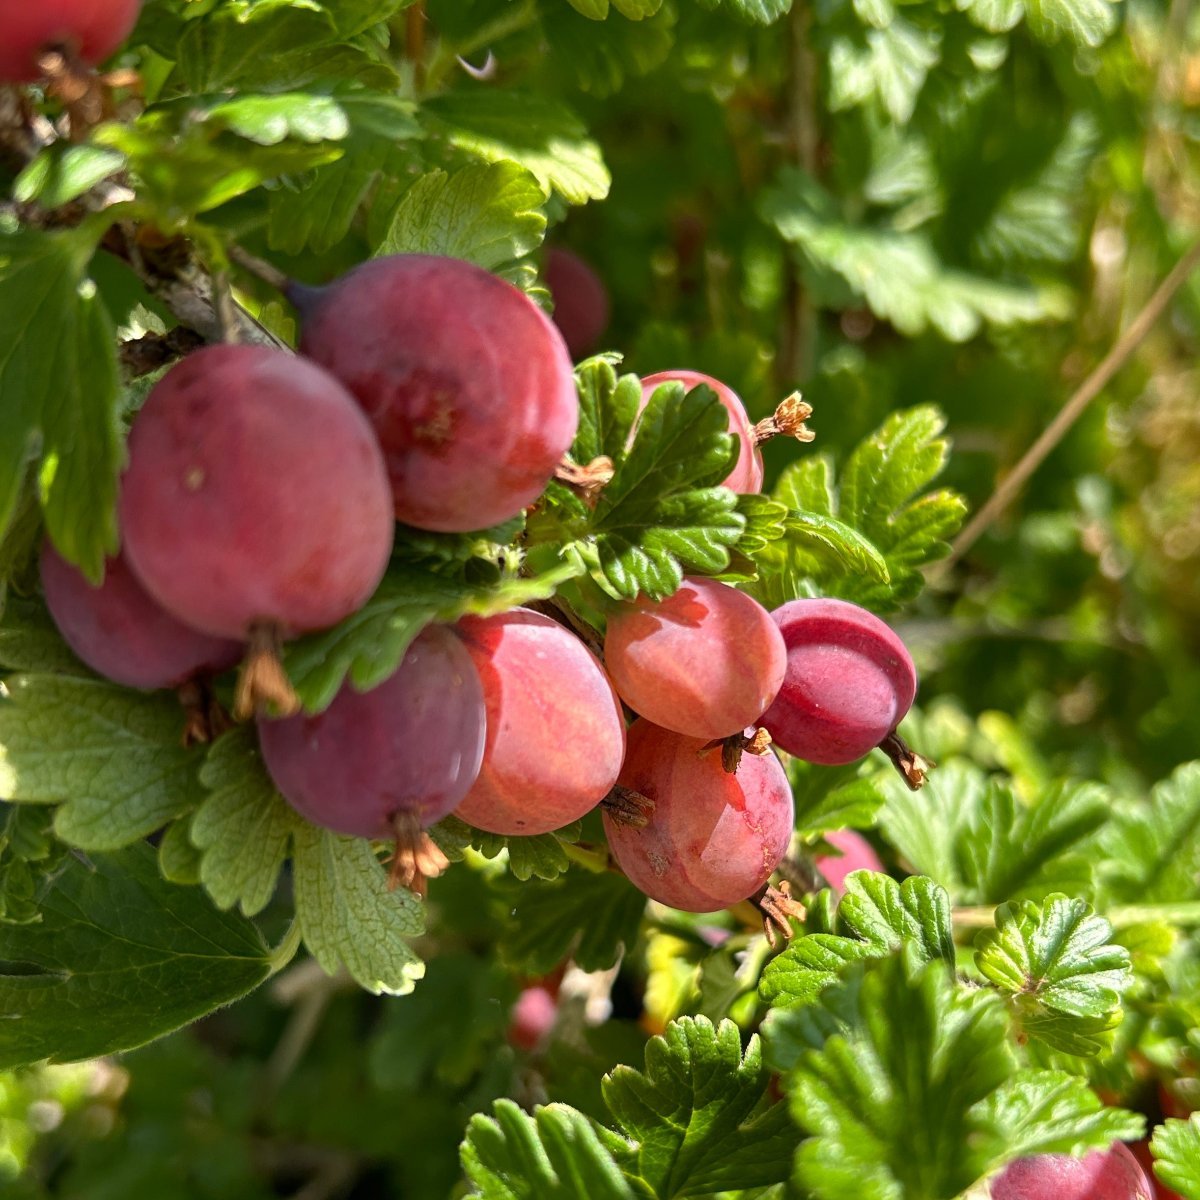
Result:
[260,503]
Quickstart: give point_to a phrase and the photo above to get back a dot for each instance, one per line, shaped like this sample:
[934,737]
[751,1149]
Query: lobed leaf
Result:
[489,214]
[244,826]
[1049,1112]
[539,133]
[111,758]
[970,833]
[876,917]
[1176,1149]
[590,917]
[348,915]
[888,1091]
[553,1154]
[699,1117]
[1056,962]
[660,514]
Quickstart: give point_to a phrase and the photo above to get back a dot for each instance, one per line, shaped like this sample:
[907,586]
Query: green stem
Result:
[592,858]
[1122,916]
[286,950]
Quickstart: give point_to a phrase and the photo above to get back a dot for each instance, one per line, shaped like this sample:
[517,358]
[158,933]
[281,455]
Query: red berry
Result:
[580,300]
[747,473]
[256,493]
[707,661]
[714,837]
[1112,1174]
[411,745]
[121,632]
[93,29]
[857,854]
[849,682]
[467,382]
[555,733]
[532,1018]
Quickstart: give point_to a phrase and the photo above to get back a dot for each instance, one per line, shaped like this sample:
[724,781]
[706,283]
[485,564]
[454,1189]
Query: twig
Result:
[1070,412]
[271,275]
[226,308]
[414,41]
[803,139]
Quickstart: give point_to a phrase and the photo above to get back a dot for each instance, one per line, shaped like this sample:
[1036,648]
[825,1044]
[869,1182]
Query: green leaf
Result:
[971,834]
[58,375]
[608,409]
[349,917]
[660,514]
[1056,962]
[1039,217]
[230,43]
[111,758]
[1049,1112]
[30,641]
[178,859]
[368,646]
[269,120]
[815,547]
[543,856]
[1176,1149]
[590,917]
[316,211]
[536,131]
[887,65]
[897,273]
[865,536]
[1152,850]
[191,158]
[555,1154]
[828,798]
[243,827]
[1084,22]
[119,957]
[600,58]
[490,215]
[761,12]
[61,174]
[415,1043]
[699,1115]
[876,917]
[888,1090]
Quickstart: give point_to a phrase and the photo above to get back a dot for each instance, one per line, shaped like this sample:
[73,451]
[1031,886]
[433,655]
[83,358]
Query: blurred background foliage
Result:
[883,204]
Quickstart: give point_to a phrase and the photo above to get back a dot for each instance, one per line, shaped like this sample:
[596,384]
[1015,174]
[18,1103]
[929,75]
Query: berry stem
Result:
[786,421]
[416,857]
[263,682]
[914,768]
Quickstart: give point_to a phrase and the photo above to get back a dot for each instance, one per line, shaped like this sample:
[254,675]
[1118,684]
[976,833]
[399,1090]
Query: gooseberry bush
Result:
[499,694]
